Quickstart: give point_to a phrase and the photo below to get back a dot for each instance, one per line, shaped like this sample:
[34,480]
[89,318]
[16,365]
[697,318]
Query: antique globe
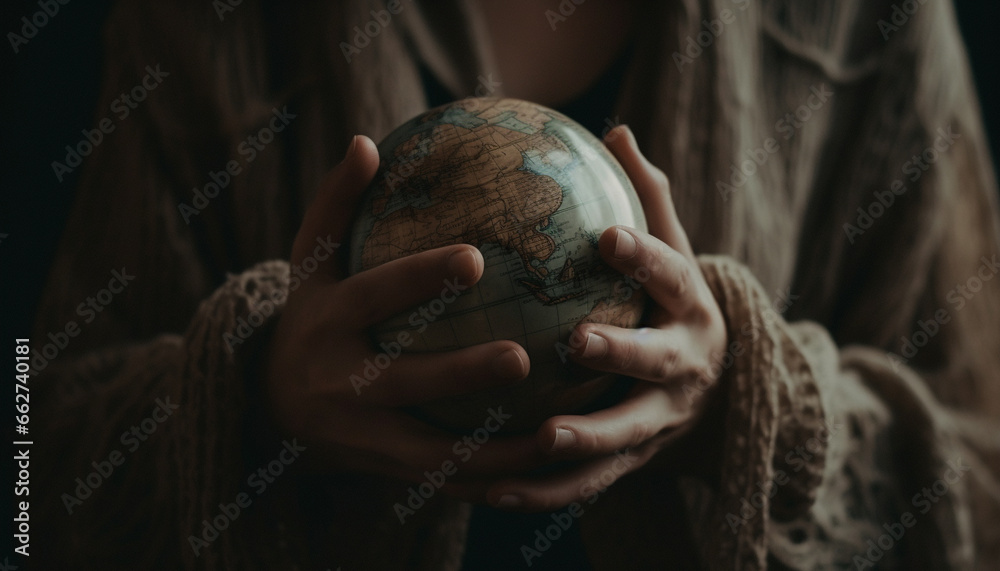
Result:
[533,190]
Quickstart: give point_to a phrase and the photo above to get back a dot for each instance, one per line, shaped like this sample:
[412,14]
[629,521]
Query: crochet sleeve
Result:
[836,457]
[832,458]
[141,443]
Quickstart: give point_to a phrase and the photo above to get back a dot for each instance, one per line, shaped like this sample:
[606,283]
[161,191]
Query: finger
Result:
[647,353]
[653,188]
[646,412]
[401,438]
[331,213]
[421,378]
[665,274]
[557,490]
[374,295]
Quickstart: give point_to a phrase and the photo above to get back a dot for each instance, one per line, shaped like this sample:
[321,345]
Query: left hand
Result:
[670,359]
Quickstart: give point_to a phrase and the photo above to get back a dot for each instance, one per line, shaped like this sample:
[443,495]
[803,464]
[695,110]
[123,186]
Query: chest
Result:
[551,51]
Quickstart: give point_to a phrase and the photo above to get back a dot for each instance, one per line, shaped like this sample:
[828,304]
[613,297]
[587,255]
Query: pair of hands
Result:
[322,338]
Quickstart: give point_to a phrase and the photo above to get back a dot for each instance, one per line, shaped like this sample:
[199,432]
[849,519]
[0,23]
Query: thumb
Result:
[653,188]
[331,213]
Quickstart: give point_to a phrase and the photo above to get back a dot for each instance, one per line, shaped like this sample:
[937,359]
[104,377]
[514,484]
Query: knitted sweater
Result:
[853,265]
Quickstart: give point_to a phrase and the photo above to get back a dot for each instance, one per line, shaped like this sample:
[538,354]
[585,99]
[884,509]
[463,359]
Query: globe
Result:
[533,190]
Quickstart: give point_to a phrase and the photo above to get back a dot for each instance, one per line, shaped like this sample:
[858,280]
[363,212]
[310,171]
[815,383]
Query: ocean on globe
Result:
[533,190]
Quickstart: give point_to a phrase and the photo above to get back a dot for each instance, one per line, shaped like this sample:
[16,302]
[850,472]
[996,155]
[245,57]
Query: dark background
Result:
[50,91]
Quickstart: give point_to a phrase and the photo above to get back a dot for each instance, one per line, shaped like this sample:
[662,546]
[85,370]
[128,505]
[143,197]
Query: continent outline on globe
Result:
[532,190]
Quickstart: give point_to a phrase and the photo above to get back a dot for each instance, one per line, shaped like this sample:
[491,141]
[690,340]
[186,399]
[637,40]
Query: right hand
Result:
[321,339]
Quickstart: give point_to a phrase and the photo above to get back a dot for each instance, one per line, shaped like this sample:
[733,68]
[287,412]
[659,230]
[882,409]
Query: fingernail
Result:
[351,147]
[508,501]
[508,365]
[631,137]
[625,245]
[596,346]
[618,131]
[458,262]
[564,439]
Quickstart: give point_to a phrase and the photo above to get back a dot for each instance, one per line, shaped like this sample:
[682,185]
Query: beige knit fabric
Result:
[891,425]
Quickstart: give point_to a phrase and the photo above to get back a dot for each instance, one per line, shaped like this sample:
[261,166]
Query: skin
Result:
[321,340]
[537,63]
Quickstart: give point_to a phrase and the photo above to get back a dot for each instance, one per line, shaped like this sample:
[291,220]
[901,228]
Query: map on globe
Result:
[528,187]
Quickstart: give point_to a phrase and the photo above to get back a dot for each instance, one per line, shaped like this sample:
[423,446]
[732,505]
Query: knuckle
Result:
[680,283]
[641,432]
[654,263]
[705,312]
[661,179]
[667,364]
[622,355]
